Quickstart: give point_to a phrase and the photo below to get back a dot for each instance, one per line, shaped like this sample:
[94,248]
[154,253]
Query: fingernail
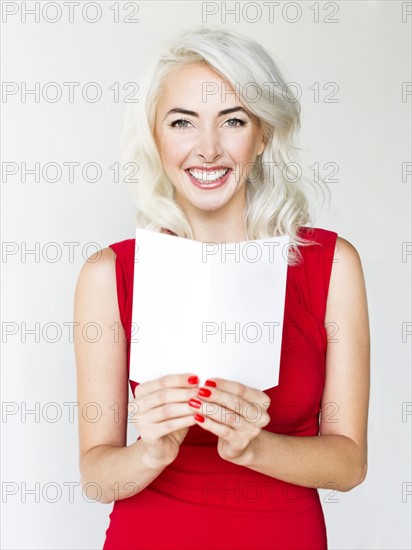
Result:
[204,392]
[199,418]
[210,383]
[195,403]
[193,380]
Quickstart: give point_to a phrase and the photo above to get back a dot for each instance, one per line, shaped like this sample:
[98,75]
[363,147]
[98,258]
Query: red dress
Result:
[203,502]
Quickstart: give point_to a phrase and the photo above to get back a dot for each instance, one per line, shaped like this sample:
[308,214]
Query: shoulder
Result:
[317,234]
[124,250]
[345,255]
[98,272]
[347,273]
[346,250]
[319,247]
[322,236]
[339,256]
[101,260]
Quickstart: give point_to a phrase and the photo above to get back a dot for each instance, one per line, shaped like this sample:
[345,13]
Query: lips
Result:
[207,175]
[216,180]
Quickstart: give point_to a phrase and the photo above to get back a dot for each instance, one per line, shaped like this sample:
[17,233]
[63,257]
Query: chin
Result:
[208,206]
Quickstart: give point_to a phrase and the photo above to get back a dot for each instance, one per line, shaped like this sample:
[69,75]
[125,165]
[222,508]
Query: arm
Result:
[337,458]
[118,471]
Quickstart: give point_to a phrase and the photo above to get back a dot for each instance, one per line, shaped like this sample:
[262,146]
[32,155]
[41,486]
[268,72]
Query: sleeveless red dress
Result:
[202,502]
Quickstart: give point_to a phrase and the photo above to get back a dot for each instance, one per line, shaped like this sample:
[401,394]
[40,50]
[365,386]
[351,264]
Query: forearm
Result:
[325,462]
[116,473]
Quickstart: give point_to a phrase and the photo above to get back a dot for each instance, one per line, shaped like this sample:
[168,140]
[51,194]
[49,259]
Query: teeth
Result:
[205,176]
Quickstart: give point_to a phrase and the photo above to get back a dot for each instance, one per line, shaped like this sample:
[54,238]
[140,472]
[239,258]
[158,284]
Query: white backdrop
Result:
[352,52]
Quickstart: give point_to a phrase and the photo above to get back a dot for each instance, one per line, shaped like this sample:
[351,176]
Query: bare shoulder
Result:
[346,300]
[347,272]
[97,274]
[346,249]
[100,263]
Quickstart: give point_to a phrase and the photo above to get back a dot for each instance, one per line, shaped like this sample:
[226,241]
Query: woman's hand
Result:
[234,412]
[162,414]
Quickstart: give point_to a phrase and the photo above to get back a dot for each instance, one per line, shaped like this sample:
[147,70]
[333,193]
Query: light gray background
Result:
[366,133]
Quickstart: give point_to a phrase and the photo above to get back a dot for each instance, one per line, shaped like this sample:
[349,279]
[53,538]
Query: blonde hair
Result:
[277,197]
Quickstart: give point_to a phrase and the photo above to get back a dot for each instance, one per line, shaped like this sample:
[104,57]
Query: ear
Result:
[262,146]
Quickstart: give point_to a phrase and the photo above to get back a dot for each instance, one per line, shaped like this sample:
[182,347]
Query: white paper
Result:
[199,308]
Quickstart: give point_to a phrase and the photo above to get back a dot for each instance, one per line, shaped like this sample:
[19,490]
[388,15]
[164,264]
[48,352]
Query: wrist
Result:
[150,461]
[248,457]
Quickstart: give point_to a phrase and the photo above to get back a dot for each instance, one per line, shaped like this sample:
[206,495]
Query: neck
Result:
[218,226]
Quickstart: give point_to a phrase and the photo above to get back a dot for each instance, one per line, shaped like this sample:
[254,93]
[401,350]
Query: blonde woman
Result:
[213,136]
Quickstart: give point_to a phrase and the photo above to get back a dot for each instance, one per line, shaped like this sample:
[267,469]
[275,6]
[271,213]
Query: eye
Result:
[177,123]
[236,120]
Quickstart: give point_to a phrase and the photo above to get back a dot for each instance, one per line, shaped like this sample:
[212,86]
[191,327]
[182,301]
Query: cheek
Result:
[242,150]
[173,152]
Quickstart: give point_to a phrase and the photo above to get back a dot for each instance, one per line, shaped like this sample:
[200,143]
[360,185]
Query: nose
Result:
[208,146]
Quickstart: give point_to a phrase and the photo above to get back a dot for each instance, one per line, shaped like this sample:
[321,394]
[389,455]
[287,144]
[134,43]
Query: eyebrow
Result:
[193,113]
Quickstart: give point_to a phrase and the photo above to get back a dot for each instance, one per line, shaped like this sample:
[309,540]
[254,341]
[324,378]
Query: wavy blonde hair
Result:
[277,197]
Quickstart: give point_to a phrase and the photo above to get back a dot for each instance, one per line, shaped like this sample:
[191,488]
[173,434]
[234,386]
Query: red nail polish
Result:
[193,380]
[204,392]
[210,383]
[195,403]
[199,418]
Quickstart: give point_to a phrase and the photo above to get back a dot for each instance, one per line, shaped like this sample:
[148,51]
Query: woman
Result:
[217,164]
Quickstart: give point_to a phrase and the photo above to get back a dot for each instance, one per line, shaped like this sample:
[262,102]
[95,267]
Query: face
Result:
[207,142]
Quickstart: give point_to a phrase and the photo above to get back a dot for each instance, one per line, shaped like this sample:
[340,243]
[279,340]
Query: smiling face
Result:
[207,142]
